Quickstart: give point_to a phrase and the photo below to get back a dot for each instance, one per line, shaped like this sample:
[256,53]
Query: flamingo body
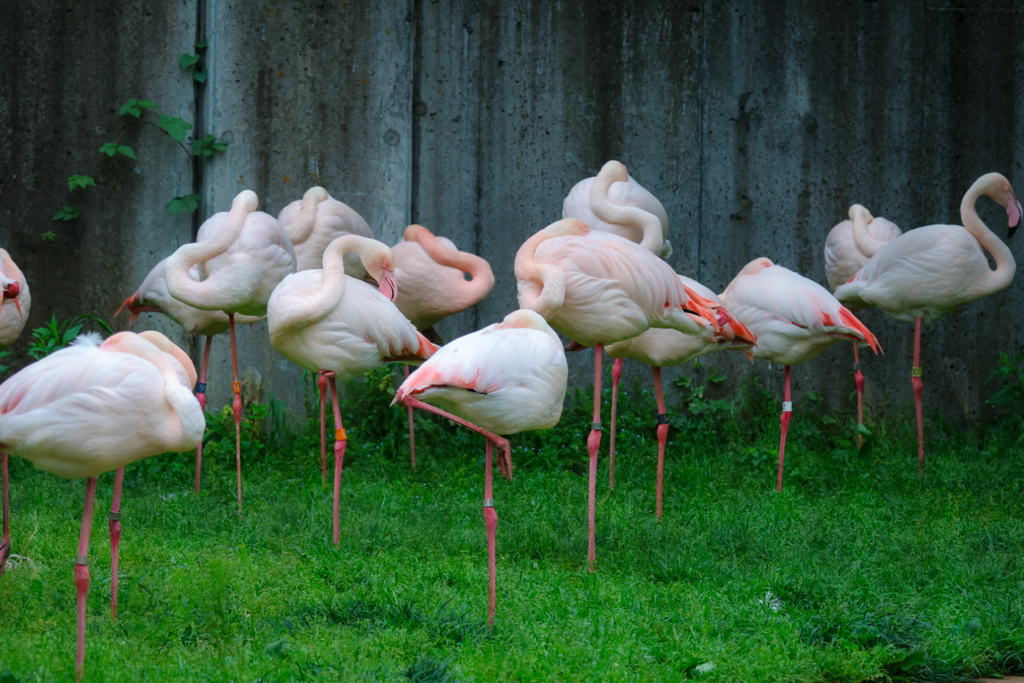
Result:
[844,257]
[506,378]
[315,221]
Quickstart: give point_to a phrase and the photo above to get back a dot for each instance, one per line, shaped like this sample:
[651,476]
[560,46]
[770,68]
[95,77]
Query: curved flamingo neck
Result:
[862,237]
[550,279]
[610,212]
[302,228]
[1006,266]
[177,265]
[472,291]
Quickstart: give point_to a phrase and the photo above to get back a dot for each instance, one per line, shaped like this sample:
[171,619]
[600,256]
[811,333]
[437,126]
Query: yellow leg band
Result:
[236,387]
[915,371]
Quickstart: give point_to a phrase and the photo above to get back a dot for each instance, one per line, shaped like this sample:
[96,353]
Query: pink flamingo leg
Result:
[616,373]
[858,378]
[491,522]
[412,435]
[5,542]
[201,397]
[321,384]
[787,413]
[662,433]
[504,450]
[115,538]
[593,444]
[340,441]
[82,573]
[236,406]
[918,384]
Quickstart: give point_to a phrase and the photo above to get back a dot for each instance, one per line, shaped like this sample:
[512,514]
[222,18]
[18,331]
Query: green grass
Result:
[859,570]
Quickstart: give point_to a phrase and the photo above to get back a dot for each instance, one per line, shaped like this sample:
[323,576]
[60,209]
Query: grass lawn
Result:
[859,570]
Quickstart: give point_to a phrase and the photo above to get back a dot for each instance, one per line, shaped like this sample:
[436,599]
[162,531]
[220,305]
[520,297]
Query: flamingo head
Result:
[1013,209]
[135,306]
[167,346]
[11,291]
[380,265]
[756,266]
[413,232]
[616,170]
[387,285]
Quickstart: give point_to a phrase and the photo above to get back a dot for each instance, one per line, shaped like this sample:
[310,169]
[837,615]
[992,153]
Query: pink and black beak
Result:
[135,308]
[1014,212]
[387,285]
[11,291]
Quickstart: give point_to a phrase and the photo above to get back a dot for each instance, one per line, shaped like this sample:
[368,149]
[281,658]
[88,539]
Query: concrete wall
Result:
[756,124]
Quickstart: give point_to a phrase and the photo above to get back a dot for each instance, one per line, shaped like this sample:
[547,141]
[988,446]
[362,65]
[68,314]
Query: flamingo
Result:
[242,255]
[597,289]
[153,296]
[430,273]
[329,322]
[12,322]
[927,273]
[612,186]
[94,407]
[795,319]
[848,247]
[660,348]
[506,378]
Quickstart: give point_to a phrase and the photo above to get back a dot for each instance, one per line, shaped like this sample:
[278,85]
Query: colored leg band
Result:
[201,387]
[115,516]
[488,502]
[662,418]
[596,426]
[82,560]
[236,387]
[787,406]
[915,371]
[340,434]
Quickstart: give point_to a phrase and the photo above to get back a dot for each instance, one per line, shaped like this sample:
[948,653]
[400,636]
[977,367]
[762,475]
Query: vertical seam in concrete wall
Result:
[700,160]
[198,162]
[415,132]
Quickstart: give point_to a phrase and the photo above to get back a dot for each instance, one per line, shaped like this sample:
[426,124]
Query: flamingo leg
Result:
[593,444]
[662,418]
[616,374]
[918,384]
[491,522]
[321,384]
[340,441]
[236,407]
[787,413]
[115,538]
[201,397]
[82,573]
[504,450]
[5,541]
[412,435]
[858,378]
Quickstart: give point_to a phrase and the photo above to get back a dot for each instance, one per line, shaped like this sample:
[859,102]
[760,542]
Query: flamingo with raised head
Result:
[613,188]
[95,407]
[598,289]
[660,348]
[929,272]
[506,378]
[431,273]
[795,319]
[848,247]
[242,255]
[14,288]
[328,322]
[152,296]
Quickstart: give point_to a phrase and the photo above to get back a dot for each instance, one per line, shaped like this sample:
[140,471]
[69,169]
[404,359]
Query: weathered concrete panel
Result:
[309,93]
[71,66]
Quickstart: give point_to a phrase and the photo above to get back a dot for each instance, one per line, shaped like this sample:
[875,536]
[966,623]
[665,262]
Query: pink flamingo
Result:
[329,322]
[597,289]
[506,378]
[152,296]
[660,348]
[242,255]
[94,407]
[848,247]
[12,322]
[795,320]
[312,223]
[647,226]
[431,276]
[927,273]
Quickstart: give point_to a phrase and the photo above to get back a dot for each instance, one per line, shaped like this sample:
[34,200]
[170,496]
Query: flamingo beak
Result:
[387,285]
[1013,210]
[133,300]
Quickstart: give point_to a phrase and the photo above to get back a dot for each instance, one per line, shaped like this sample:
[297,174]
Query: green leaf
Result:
[187,203]
[82,181]
[49,236]
[173,126]
[110,149]
[208,146]
[70,334]
[66,213]
[134,107]
[187,61]
[127,151]
[200,74]
[201,45]
[915,658]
